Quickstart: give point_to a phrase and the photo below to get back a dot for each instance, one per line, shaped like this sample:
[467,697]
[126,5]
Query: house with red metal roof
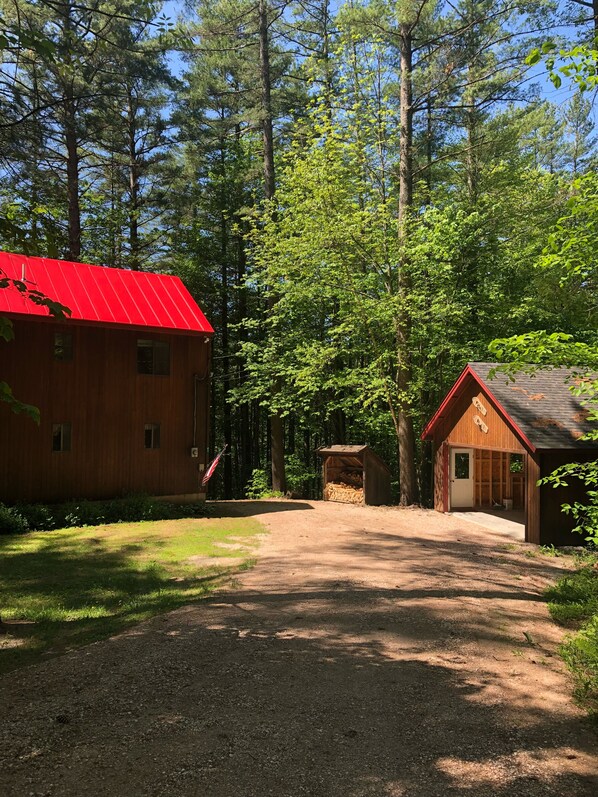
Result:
[122,384]
[495,436]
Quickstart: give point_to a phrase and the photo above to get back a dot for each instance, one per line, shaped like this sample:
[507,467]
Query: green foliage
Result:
[569,256]
[575,596]
[47,517]
[75,586]
[18,407]
[259,485]
[581,656]
[574,600]
[299,477]
[12,521]
[578,64]
[550,550]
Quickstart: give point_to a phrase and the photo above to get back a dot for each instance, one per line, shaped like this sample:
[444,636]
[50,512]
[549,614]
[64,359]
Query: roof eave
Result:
[83,322]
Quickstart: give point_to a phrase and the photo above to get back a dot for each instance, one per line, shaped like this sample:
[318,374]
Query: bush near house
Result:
[47,517]
[573,602]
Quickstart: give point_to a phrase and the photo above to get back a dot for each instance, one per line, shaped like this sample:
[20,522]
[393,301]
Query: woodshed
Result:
[354,475]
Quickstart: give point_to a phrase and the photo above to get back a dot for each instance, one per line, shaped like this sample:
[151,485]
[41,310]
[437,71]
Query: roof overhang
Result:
[456,391]
[80,322]
[99,295]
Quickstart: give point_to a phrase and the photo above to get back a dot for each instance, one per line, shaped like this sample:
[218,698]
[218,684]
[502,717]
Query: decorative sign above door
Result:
[479,422]
[479,406]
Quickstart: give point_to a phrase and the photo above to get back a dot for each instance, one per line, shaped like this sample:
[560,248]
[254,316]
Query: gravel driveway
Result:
[370,652]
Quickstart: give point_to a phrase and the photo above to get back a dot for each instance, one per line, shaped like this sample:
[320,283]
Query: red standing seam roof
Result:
[100,295]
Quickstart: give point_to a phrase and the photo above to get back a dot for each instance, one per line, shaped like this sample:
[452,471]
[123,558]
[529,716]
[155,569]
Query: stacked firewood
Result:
[347,488]
[352,478]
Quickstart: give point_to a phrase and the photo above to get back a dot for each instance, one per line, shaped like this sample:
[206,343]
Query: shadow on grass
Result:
[57,597]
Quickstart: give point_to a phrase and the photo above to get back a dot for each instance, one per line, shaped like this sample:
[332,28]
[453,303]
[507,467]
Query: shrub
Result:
[131,509]
[39,517]
[297,474]
[575,596]
[259,485]
[574,601]
[11,521]
[581,656]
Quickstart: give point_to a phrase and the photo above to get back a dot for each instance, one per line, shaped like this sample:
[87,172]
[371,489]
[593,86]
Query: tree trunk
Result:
[134,259]
[267,130]
[72,152]
[72,181]
[276,424]
[406,434]
[224,298]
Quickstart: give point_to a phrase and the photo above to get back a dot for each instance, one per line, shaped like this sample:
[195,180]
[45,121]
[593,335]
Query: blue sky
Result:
[173,8]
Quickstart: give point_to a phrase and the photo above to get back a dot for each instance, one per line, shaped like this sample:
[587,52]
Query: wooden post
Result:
[532,499]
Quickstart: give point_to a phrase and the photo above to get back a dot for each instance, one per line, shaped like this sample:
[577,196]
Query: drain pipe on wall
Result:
[197,380]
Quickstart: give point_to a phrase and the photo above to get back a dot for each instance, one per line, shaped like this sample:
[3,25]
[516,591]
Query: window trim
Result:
[69,348]
[155,344]
[65,431]
[155,436]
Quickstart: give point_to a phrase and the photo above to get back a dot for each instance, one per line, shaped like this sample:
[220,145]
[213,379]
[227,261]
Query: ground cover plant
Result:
[573,603]
[131,508]
[65,588]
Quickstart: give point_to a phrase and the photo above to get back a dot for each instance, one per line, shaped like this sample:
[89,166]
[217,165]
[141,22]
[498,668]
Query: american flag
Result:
[212,467]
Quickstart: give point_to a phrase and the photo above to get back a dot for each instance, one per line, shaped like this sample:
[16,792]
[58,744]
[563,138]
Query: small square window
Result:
[153,357]
[461,466]
[63,346]
[61,437]
[152,435]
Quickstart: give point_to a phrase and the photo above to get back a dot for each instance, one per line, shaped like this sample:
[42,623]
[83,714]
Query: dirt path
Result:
[370,652]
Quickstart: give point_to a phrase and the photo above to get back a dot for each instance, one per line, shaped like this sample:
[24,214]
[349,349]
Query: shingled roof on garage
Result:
[541,405]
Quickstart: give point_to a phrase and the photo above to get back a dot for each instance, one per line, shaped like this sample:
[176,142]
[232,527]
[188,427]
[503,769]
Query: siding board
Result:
[461,429]
[108,403]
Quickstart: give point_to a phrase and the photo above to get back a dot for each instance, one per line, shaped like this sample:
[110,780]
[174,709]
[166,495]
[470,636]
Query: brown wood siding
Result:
[108,403]
[376,482]
[459,428]
[532,503]
[555,525]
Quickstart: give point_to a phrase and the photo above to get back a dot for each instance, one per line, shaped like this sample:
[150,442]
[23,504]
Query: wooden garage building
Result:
[494,438]
[122,385]
[354,475]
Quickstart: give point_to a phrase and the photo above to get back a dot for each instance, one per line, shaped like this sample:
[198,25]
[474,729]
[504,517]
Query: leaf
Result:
[533,58]
[18,407]
[6,329]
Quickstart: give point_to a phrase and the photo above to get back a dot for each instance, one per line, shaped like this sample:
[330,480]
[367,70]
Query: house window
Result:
[462,466]
[153,357]
[152,435]
[61,437]
[63,346]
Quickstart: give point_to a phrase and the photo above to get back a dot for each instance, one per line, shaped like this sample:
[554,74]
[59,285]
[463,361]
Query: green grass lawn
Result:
[61,589]
[573,603]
